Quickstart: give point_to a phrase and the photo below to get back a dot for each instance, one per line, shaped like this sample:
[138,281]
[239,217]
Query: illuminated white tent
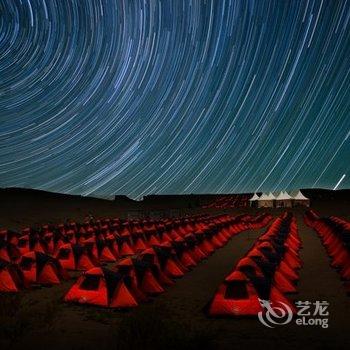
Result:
[271,196]
[253,200]
[284,200]
[300,200]
[266,200]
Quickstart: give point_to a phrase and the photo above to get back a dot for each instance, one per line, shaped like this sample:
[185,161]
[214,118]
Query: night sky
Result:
[101,97]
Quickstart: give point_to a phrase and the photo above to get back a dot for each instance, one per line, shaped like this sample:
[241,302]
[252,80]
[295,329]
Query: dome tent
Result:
[101,287]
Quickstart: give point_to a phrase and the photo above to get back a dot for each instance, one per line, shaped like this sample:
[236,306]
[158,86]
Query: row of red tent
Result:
[48,238]
[44,255]
[334,233]
[101,237]
[268,272]
[225,202]
[137,278]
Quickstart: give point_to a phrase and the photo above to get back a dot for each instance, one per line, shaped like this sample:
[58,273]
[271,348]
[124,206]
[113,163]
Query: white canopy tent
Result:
[301,200]
[284,200]
[271,196]
[266,200]
[253,200]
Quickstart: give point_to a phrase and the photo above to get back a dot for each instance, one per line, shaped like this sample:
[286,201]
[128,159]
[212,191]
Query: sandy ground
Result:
[39,318]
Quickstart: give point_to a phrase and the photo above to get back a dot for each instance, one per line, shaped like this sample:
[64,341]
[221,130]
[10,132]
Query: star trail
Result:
[103,97]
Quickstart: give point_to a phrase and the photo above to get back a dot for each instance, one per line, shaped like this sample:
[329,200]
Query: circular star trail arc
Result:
[101,97]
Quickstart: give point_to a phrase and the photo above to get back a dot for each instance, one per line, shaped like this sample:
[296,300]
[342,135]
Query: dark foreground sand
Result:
[39,318]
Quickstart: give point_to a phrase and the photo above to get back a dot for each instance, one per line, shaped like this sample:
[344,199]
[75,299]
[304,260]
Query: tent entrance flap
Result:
[236,290]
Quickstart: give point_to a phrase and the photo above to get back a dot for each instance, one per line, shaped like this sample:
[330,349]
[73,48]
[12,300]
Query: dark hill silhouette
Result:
[21,207]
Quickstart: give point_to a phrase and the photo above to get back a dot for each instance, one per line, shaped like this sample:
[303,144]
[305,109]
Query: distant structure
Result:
[271,196]
[254,201]
[266,201]
[300,200]
[284,200]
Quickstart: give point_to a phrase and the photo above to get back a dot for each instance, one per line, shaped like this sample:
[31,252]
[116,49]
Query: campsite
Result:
[182,298]
[174,174]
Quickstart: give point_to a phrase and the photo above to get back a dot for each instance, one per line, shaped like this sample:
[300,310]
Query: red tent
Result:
[10,278]
[40,268]
[101,287]
[236,297]
[75,257]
